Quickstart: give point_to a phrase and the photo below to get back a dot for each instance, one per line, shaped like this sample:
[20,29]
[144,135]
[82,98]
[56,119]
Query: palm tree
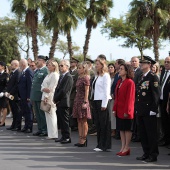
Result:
[29,9]
[61,16]
[97,11]
[150,15]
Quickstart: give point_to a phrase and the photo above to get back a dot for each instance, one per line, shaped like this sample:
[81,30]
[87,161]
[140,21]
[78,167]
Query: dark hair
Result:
[120,61]
[129,70]
[111,64]
[102,56]
[162,67]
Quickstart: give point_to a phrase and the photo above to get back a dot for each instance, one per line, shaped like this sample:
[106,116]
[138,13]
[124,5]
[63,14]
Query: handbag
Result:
[45,106]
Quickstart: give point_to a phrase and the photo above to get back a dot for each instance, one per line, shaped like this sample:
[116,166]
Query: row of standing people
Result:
[101,102]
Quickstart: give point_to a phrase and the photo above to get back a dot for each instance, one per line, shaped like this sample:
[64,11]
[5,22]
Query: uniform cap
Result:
[147,59]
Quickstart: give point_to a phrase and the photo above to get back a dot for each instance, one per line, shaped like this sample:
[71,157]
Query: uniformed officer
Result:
[147,98]
[36,95]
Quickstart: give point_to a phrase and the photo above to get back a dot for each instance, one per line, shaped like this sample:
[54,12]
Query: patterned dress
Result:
[78,112]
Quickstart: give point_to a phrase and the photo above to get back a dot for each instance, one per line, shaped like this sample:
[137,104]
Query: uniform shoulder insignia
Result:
[156,84]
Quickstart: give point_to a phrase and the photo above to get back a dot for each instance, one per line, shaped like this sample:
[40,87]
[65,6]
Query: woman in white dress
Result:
[48,88]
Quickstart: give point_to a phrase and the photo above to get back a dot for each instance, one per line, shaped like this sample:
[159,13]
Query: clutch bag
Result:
[45,106]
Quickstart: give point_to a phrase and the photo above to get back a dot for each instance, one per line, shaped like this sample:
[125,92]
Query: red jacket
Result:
[124,99]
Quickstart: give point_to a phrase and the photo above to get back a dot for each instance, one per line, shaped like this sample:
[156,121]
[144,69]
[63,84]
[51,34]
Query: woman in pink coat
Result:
[124,107]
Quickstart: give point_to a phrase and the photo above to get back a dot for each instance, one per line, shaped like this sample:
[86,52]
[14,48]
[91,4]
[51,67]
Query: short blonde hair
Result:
[157,68]
[104,68]
[85,67]
[55,64]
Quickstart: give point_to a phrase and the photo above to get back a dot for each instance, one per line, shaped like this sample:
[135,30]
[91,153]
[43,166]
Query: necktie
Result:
[59,81]
[164,78]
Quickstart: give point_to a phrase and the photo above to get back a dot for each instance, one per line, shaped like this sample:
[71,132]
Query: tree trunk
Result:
[70,50]
[156,35]
[28,45]
[31,21]
[34,43]
[53,43]
[86,44]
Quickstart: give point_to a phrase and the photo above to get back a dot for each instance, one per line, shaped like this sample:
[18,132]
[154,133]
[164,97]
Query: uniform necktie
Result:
[164,78]
[59,81]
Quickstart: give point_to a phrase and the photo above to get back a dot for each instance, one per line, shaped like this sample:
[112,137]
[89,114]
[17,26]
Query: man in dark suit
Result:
[165,117]
[74,74]
[24,88]
[12,90]
[62,100]
[137,74]
[146,104]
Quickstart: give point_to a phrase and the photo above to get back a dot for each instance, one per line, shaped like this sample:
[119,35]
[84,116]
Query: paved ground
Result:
[19,151]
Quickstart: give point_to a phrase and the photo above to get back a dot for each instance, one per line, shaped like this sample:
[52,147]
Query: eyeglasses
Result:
[167,62]
[61,65]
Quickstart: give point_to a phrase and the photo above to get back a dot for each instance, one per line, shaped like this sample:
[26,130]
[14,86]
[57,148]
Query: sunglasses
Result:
[61,65]
[32,65]
[167,62]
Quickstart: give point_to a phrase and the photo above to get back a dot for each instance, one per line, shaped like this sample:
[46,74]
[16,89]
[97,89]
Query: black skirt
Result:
[3,103]
[123,124]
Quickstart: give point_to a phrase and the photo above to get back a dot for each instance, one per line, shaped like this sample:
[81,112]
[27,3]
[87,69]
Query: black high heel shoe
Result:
[83,145]
[2,124]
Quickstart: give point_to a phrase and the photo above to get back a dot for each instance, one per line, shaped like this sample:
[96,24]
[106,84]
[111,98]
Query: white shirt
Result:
[168,74]
[102,89]
[24,69]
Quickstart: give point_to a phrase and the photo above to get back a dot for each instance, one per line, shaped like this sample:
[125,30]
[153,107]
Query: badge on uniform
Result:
[143,94]
[40,73]
[156,84]
[145,85]
[7,79]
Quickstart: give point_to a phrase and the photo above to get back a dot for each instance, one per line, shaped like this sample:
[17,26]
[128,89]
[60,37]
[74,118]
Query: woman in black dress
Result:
[4,77]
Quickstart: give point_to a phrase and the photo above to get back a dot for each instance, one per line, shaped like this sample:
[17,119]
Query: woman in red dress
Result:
[124,107]
[81,107]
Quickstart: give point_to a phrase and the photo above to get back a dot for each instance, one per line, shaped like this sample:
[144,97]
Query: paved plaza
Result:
[19,151]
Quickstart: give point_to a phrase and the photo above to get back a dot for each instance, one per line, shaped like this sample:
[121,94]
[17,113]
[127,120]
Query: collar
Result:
[73,69]
[25,69]
[135,69]
[2,72]
[65,73]
[42,68]
[15,70]
[146,73]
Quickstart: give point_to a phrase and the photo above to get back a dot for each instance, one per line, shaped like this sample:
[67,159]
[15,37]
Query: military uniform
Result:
[36,95]
[146,107]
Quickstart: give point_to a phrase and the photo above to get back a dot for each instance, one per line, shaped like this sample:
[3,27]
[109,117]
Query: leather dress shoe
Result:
[59,140]
[23,130]
[43,134]
[150,159]
[10,128]
[28,131]
[37,133]
[162,143]
[66,141]
[142,158]
[16,129]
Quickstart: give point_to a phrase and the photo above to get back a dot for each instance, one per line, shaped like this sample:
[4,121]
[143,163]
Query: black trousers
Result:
[148,133]
[63,115]
[26,110]
[16,111]
[165,120]
[103,125]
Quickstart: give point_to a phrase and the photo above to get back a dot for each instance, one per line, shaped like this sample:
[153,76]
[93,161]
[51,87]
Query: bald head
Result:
[23,64]
[135,62]
[167,63]
[14,64]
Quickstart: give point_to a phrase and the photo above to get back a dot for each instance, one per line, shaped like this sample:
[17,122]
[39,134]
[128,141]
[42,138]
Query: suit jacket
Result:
[12,86]
[25,83]
[137,75]
[4,78]
[39,76]
[74,75]
[63,91]
[166,87]
[147,95]
[113,87]
[124,99]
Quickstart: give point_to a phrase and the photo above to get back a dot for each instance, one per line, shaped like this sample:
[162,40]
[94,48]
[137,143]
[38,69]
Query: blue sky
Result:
[99,44]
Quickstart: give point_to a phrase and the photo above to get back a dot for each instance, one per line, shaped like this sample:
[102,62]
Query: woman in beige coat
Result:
[48,88]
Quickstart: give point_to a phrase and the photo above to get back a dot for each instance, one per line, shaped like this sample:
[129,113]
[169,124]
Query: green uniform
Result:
[35,97]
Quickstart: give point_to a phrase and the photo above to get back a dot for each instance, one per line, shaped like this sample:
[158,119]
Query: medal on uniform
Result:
[143,94]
